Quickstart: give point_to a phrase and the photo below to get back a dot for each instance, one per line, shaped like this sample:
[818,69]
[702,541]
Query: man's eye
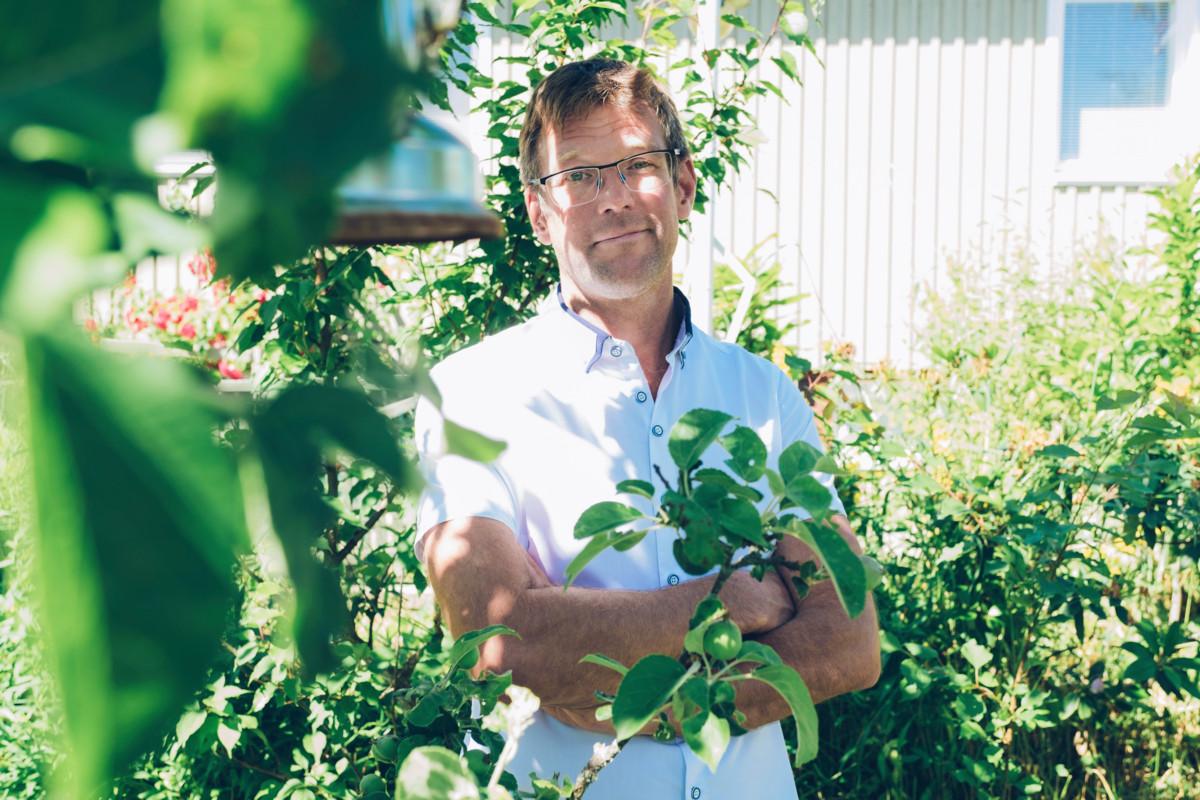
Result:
[576,177]
[642,165]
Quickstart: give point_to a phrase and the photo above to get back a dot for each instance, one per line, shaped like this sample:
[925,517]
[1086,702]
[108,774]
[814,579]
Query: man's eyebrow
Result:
[567,156]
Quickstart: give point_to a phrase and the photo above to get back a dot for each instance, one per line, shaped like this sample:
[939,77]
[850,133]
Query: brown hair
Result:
[573,90]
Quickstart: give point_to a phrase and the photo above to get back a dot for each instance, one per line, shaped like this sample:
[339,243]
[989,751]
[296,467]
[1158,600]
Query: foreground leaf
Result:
[693,433]
[140,518]
[647,686]
[791,687]
[604,517]
[435,773]
[472,639]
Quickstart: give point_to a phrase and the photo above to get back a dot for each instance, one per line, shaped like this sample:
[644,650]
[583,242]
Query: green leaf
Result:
[709,610]
[604,517]
[632,486]
[139,521]
[775,482]
[1119,400]
[228,737]
[809,493]
[647,686]
[747,453]
[188,724]
[604,661]
[1058,451]
[595,546]
[344,418]
[976,654]
[791,687]
[467,443]
[845,567]
[472,639]
[435,773]
[1140,670]
[828,465]
[968,706]
[797,460]
[708,737]
[693,433]
[874,571]
[758,653]
[741,518]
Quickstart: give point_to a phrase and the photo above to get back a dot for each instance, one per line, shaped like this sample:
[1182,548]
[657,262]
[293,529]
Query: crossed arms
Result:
[481,576]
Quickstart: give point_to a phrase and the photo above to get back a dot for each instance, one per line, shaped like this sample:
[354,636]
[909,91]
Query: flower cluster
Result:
[203,320]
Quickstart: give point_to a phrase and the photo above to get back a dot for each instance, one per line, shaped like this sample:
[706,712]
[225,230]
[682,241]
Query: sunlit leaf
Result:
[603,517]
[693,433]
[435,773]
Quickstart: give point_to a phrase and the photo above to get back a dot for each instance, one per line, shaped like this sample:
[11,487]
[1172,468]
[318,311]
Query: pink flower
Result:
[227,370]
[190,303]
[217,341]
[161,319]
[263,296]
[187,331]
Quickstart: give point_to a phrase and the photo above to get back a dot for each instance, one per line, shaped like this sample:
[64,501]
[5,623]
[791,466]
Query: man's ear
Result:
[685,187]
[537,217]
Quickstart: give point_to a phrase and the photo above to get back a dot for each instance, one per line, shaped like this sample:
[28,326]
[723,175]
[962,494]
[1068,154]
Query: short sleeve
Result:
[798,423]
[455,487]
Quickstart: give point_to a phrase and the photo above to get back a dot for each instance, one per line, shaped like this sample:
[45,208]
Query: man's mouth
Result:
[620,237]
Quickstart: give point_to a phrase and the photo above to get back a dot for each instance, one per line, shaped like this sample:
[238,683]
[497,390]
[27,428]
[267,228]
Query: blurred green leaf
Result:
[140,518]
[469,444]
[435,773]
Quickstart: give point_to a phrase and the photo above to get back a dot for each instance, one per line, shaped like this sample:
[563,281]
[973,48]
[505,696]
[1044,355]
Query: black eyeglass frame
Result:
[674,152]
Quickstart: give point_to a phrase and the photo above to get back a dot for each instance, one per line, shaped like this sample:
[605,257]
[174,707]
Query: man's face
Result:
[620,245]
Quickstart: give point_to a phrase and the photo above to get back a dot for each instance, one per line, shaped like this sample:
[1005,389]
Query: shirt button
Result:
[673,580]
[695,793]
[616,351]
[657,430]
[640,396]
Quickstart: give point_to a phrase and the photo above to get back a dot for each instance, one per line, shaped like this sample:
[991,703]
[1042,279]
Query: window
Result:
[1115,55]
[1127,87]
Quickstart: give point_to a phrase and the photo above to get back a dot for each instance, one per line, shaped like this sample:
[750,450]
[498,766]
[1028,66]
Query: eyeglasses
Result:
[577,186]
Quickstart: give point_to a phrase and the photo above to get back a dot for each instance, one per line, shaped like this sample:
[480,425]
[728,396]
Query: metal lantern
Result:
[425,187]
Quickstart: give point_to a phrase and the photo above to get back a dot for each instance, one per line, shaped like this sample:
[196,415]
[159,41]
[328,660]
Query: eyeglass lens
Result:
[642,173]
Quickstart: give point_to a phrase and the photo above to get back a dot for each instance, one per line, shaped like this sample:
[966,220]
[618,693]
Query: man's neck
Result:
[649,323]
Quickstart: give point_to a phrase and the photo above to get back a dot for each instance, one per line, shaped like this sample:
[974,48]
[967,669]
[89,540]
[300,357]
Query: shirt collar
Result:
[583,337]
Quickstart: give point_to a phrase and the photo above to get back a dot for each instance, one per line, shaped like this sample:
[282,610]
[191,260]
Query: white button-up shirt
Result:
[576,412]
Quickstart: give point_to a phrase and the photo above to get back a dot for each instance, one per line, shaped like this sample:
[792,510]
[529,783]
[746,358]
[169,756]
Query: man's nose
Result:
[619,195]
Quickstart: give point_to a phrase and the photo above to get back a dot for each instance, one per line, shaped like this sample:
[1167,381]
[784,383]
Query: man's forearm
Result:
[833,654]
[558,628]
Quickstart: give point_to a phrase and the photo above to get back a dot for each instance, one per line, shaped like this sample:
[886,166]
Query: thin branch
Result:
[357,536]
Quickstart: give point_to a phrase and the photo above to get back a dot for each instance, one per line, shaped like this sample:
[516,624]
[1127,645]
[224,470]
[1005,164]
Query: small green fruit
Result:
[723,640]
[470,659]
[384,749]
[371,784]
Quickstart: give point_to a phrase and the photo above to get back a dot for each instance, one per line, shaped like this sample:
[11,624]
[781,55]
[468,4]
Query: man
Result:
[585,395]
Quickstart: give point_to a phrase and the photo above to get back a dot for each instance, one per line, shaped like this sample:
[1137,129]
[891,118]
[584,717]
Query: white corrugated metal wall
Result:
[926,131]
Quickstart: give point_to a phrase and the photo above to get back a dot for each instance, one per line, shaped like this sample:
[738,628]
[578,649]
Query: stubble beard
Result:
[617,279]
